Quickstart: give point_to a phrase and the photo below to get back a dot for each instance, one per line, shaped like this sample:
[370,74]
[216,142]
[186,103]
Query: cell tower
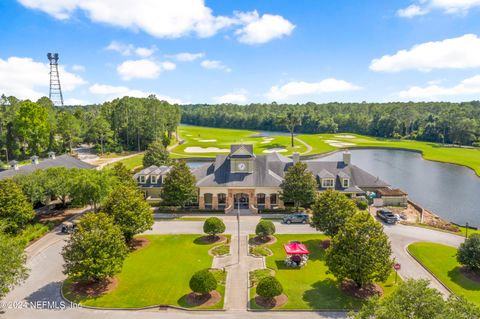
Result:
[55,93]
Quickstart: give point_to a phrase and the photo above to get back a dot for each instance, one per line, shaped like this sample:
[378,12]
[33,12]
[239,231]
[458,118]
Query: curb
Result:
[424,267]
[157,307]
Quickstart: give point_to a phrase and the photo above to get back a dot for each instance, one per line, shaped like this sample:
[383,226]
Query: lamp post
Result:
[466,230]
[238,229]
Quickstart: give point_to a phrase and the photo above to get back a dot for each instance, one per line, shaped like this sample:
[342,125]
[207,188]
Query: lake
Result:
[448,190]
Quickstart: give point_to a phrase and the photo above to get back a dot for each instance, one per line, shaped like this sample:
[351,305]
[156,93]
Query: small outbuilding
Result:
[391,197]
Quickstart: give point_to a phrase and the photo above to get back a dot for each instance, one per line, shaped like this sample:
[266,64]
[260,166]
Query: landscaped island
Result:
[157,274]
[310,287]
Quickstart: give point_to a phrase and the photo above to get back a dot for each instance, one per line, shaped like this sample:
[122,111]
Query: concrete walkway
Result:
[238,266]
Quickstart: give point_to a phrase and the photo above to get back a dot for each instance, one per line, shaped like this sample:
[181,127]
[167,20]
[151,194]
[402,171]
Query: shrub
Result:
[362,205]
[469,252]
[265,228]
[203,282]
[269,287]
[213,226]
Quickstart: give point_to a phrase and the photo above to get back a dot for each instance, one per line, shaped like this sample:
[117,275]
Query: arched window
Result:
[260,200]
[222,200]
[273,200]
[208,197]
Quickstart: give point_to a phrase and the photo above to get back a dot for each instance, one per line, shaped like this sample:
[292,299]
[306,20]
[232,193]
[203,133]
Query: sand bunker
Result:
[273,150]
[196,149]
[207,141]
[336,143]
[267,140]
[345,136]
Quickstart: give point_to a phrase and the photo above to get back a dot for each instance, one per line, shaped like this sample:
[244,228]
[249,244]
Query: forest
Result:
[442,122]
[128,124]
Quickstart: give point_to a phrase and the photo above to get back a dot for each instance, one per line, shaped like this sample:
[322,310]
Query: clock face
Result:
[241,166]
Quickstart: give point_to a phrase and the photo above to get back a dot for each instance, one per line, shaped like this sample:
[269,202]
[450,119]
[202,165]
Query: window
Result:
[327,182]
[153,179]
[222,199]
[273,199]
[141,179]
[208,200]
[346,182]
[261,200]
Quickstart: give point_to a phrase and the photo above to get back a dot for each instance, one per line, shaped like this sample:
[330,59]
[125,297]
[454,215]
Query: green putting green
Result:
[310,287]
[442,262]
[157,274]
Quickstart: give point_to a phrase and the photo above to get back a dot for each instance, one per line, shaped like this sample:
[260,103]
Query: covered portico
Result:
[245,198]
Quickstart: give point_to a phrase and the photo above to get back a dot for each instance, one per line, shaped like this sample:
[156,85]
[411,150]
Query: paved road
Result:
[45,262]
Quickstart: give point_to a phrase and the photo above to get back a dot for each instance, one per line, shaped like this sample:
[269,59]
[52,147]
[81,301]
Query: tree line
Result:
[442,122]
[126,124]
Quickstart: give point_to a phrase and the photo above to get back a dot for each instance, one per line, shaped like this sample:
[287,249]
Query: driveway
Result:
[46,275]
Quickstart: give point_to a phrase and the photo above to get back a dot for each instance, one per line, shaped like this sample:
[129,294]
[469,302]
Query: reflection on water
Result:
[450,191]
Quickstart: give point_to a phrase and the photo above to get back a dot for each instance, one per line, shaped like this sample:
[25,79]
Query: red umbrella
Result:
[296,249]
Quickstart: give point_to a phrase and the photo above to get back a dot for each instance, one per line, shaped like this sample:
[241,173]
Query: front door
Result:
[241,200]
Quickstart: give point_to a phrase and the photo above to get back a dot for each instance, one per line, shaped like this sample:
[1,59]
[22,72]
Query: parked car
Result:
[300,218]
[387,216]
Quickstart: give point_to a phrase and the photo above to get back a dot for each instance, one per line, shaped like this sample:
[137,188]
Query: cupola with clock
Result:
[241,158]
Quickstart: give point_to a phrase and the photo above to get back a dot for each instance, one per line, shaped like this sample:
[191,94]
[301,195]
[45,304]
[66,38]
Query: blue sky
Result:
[194,51]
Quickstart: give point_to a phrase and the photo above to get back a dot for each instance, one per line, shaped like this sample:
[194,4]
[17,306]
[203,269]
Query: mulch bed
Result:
[351,289]
[470,274]
[208,240]
[276,302]
[269,240]
[138,243]
[193,299]
[93,288]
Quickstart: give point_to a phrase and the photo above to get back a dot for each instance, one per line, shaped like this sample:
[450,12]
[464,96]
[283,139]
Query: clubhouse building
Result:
[249,181]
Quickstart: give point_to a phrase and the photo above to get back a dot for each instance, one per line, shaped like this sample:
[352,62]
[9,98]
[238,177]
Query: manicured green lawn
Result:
[462,232]
[132,162]
[157,274]
[441,261]
[310,287]
[196,136]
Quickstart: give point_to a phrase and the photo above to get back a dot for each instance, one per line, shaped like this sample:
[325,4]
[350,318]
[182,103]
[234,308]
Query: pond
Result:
[448,190]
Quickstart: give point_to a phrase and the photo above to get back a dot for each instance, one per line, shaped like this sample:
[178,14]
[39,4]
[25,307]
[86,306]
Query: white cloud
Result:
[78,68]
[122,48]
[129,49]
[305,88]
[188,57]
[28,79]
[168,19]
[239,97]
[447,6]
[456,53]
[468,86]
[112,92]
[145,52]
[215,64]
[164,19]
[262,29]
[143,69]
[412,11]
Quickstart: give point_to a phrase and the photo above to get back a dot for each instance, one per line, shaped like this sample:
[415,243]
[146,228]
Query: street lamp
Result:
[238,229]
[466,230]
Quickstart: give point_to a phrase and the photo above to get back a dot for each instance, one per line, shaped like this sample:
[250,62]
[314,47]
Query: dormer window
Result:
[141,179]
[153,179]
[328,182]
[346,183]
